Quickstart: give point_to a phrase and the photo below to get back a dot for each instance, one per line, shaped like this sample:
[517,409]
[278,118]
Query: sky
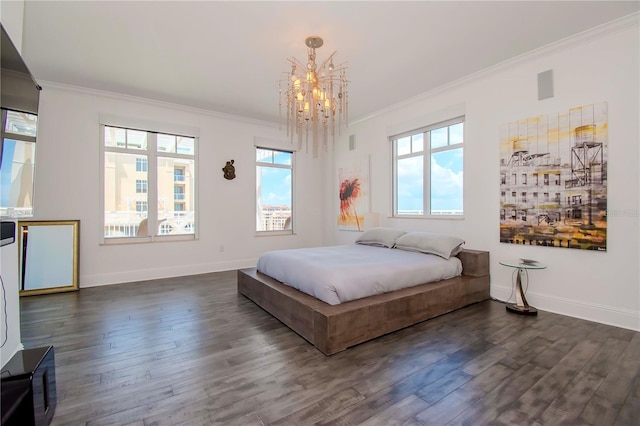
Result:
[276,186]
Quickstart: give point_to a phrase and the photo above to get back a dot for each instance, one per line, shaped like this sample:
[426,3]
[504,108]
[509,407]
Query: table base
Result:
[522,310]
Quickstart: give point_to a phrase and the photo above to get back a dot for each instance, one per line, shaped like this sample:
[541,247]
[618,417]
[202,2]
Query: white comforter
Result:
[342,273]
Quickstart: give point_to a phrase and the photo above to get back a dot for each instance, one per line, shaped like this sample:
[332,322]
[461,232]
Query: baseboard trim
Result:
[618,317]
[120,277]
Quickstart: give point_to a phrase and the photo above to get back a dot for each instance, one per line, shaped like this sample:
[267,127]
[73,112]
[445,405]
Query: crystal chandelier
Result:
[315,98]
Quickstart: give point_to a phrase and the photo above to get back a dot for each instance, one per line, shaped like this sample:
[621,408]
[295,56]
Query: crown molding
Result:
[152,102]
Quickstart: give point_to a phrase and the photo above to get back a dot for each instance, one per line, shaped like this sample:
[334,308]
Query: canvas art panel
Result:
[353,194]
[553,179]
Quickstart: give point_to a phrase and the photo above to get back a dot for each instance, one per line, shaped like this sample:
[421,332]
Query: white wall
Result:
[602,65]
[11,15]
[9,273]
[67,187]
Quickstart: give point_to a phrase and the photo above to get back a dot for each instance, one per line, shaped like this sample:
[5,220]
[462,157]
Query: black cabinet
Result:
[29,388]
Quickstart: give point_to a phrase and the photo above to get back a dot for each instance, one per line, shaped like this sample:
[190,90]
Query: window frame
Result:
[426,154]
[152,155]
[11,212]
[291,167]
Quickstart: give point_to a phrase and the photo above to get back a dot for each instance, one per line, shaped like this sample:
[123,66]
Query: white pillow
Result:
[427,242]
[380,237]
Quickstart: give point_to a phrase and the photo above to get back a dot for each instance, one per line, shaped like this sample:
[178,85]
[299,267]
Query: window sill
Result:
[274,233]
[145,240]
[437,217]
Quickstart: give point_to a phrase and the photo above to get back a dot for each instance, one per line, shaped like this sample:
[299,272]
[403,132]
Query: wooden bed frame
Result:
[334,328]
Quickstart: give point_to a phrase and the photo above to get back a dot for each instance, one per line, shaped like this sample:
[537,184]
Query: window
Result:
[274,188]
[139,183]
[166,228]
[141,186]
[141,164]
[428,170]
[178,192]
[178,174]
[17,163]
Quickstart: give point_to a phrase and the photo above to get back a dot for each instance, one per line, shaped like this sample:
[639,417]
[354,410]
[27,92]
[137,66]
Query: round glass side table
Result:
[521,306]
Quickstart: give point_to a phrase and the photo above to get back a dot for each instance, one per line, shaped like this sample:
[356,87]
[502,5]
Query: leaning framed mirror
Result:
[48,256]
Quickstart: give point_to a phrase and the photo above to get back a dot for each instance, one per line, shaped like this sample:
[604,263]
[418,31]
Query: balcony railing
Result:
[120,224]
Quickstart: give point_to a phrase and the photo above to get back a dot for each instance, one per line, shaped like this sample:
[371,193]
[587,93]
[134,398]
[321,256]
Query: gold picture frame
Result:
[48,256]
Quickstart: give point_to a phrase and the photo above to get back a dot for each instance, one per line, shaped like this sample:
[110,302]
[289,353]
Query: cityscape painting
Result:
[553,179]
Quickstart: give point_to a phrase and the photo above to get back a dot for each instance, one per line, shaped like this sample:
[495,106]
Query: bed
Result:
[332,328]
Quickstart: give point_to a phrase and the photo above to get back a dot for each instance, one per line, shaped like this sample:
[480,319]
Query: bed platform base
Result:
[334,328]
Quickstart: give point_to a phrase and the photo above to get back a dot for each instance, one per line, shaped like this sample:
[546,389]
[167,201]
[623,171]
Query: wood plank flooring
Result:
[191,351]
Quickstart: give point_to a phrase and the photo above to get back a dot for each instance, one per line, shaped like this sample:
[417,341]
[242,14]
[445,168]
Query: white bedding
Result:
[339,274]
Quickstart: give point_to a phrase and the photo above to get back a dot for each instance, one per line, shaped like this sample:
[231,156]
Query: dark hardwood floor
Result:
[192,351]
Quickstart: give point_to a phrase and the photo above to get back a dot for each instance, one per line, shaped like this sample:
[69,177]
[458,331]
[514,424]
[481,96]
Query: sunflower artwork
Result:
[353,195]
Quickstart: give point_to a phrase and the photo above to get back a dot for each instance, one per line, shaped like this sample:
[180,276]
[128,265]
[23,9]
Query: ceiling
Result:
[228,56]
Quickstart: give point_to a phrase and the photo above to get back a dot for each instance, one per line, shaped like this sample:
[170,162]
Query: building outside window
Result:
[428,170]
[274,188]
[138,173]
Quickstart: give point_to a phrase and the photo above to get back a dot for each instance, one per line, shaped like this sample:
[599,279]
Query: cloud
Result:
[446,185]
[446,182]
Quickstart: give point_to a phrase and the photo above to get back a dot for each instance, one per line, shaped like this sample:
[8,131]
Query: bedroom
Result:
[601,287]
